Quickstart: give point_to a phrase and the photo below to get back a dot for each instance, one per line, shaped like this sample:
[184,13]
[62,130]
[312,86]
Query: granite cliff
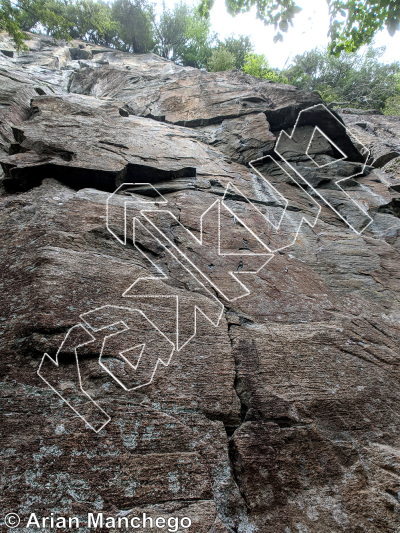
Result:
[279,408]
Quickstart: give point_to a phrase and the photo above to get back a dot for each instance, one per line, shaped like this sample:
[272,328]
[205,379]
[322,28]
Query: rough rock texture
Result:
[381,135]
[285,416]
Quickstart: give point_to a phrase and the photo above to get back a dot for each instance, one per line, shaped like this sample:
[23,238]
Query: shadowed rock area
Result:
[275,291]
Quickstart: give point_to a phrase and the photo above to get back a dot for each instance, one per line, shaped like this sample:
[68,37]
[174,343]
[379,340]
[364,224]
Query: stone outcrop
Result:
[381,135]
[278,413]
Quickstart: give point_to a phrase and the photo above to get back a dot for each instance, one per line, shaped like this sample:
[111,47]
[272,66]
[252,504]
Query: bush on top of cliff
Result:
[257,65]
[392,104]
[357,80]
[182,36]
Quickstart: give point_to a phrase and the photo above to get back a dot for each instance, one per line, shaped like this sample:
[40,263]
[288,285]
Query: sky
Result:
[309,30]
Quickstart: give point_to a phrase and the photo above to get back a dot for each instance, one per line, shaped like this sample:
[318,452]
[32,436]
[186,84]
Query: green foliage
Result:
[10,22]
[220,60]
[126,24]
[183,36]
[257,65]
[199,46]
[21,15]
[93,22]
[392,104]
[353,23]
[171,31]
[134,19]
[239,47]
[352,79]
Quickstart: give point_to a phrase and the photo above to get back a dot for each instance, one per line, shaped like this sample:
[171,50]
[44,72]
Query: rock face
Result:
[269,293]
[381,135]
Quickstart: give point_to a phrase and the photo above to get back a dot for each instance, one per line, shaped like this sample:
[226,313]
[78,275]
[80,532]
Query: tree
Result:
[171,31]
[353,23]
[392,104]
[221,60]
[125,25]
[92,21]
[200,44]
[352,79]
[183,36]
[135,32]
[238,46]
[257,65]
[22,15]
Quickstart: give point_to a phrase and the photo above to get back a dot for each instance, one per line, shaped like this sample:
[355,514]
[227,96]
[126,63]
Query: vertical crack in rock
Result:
[244,406]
